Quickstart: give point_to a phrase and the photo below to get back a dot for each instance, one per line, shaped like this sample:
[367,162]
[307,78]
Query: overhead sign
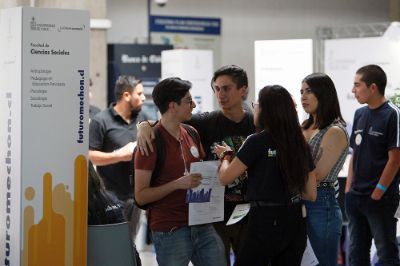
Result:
[195,25]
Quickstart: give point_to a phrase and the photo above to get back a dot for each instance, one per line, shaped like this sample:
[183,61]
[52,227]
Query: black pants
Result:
[276,236]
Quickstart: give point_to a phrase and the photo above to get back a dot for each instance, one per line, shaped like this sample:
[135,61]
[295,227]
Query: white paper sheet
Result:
[309,258]
[206,202]
[240,211]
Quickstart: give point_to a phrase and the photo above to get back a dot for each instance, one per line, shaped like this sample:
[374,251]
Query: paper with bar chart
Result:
[206,202]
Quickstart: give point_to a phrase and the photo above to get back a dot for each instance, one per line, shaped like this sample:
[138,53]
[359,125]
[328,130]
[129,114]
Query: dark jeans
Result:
[276,236]
[372,219]
[232,236]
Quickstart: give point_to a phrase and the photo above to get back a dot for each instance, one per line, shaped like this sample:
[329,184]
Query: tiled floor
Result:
[146,252]
[148,256]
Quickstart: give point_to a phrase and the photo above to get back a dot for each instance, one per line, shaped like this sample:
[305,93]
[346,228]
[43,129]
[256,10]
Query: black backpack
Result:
[161,154]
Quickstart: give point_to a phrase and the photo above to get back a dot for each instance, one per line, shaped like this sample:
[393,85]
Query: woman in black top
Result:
[279,165]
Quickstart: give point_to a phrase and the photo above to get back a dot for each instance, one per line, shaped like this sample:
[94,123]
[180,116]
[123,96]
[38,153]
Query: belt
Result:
[326,184]
[261,203]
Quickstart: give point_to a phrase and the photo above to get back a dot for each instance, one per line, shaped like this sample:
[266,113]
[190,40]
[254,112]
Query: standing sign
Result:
[283,62]
[44,59]
[344,56]
[195,66]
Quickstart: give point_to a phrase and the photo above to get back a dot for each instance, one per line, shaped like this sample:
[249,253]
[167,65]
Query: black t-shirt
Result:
[215,127]
[374,133]
[259,154]
[108,132]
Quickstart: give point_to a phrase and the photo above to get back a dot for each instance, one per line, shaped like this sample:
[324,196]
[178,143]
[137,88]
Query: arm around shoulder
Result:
[145,135]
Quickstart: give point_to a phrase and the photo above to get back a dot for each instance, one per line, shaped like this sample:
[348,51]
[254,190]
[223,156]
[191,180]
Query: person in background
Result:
[325,131]
[279,166]
[372,187]
[231,124]
[112,138]
[175,242]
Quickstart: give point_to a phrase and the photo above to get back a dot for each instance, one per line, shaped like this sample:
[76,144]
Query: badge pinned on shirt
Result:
[271,153]
[194,151]
[358,139]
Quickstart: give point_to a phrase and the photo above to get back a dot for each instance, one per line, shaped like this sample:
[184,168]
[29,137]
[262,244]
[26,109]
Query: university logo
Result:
[40,26]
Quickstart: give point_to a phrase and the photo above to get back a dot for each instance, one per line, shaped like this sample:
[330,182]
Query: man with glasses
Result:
[231,124]
[112,138]
[175,242]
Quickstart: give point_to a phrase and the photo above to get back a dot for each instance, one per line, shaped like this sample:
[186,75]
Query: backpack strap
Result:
[160,149]
[193,134]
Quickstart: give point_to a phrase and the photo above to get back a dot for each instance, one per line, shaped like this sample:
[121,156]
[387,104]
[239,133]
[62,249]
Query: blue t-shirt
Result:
[374,133]
[266,183]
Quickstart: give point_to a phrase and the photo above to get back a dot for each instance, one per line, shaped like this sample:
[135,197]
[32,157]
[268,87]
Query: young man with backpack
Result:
[231,125]
[175,242]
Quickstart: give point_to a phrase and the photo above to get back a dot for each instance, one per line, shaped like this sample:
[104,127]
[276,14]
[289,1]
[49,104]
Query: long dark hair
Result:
[99,201]
[278,116]
[328,110]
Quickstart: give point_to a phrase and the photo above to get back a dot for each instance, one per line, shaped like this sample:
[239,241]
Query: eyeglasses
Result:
[187,100]
[254,104]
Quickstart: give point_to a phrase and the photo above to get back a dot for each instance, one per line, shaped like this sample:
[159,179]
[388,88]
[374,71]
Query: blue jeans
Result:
[232,236]
[199,244]
[324,226]
[372,219]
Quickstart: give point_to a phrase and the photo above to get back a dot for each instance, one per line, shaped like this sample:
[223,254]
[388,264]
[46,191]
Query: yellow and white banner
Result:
[44,59]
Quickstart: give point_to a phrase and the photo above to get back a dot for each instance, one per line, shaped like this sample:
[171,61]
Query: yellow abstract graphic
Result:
[59,238]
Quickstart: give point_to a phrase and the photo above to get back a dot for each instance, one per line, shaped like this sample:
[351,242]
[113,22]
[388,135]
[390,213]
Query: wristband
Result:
[224,153]
[227,157]
[381,187]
